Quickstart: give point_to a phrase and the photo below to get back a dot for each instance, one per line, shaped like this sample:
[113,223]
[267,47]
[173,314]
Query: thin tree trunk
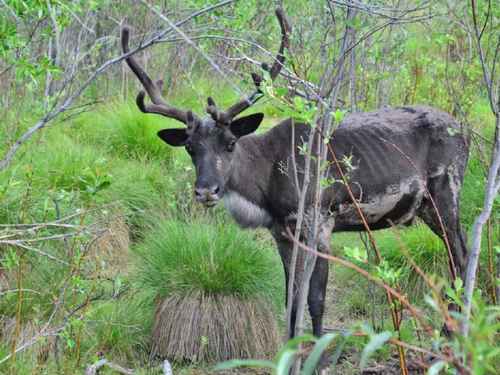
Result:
[493,181]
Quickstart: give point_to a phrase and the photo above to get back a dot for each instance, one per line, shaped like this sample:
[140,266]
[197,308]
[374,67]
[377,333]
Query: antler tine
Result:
[218,116]
[274,71]
[153,90]
[212,108]
[286,29]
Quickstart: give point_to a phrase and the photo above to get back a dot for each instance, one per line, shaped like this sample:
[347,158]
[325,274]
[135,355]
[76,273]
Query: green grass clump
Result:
[57,175]
[217,259]
[137,186]
[122,130]
[424,247]
[120,327]
[61,163]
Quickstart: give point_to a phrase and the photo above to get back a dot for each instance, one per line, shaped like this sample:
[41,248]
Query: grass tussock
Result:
[110,250]
[210,328]
[216,286]
[122,130]
[218,259]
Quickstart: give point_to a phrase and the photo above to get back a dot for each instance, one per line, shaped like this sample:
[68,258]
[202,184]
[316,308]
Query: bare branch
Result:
[94,368]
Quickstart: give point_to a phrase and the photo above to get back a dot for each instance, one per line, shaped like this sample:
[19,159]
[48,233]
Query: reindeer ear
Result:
[174,137]
[246,125]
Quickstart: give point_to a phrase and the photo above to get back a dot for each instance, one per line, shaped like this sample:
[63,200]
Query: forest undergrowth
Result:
[93,204]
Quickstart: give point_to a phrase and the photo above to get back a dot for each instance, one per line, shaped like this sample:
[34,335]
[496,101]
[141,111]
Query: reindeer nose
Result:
[202,192]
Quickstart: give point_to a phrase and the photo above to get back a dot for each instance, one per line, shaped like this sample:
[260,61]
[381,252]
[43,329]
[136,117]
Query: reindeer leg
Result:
[319,278]
[443,190]
[316,297]
[285,247]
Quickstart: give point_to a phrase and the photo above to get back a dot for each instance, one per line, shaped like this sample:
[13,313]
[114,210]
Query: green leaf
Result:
[313,358]
[375,343]
[298,103]
[285,362]
[294,343]
[281,91]
[432,303]
[235,363]
[436,368]
[103,185]
[356,253]
[338,115]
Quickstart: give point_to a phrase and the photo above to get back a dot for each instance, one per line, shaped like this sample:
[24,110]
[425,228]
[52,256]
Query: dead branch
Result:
[94,368]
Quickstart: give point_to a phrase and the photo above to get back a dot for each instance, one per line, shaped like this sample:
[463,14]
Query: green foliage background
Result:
[104,157]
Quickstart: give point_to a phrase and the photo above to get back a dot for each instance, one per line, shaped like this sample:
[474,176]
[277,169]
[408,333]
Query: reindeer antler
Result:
[225,117]
[159,105]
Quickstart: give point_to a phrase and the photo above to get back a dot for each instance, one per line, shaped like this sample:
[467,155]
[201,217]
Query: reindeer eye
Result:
[230,145]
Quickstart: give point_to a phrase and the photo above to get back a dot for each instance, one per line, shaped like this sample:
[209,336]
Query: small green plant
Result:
[286,357]
[423,246]
[478,352]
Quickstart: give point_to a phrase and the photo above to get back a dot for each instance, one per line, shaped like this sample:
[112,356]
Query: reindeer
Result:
[408,162]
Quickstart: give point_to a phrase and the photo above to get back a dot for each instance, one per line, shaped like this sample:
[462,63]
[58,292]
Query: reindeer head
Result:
[211,141]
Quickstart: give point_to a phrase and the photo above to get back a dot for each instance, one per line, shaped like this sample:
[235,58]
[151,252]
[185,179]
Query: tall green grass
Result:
[120,327]
[121,130]
[211,258]
[117,158]
[425,249]
[41,279]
